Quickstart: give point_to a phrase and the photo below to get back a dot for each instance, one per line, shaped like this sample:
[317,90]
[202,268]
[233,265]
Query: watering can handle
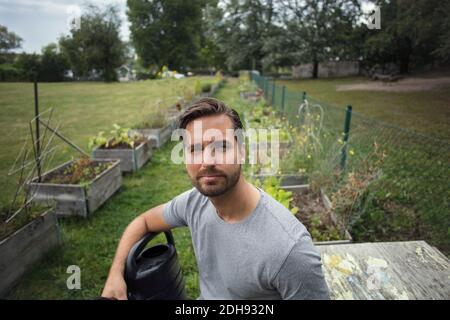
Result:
[138,247]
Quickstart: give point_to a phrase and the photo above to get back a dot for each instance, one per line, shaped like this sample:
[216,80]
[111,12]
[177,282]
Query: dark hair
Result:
[208,107]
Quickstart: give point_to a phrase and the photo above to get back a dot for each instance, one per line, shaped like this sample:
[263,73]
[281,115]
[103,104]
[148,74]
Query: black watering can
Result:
[154,273]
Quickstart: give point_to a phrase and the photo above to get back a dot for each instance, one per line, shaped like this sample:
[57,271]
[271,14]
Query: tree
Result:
[29,66]
[95,44]
[166,32]
[318,30]
[240,28]
[8,40]
[53,64]
[413,33]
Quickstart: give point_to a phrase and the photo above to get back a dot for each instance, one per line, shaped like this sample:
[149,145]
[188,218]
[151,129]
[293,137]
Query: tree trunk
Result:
[315,72]
[404,64]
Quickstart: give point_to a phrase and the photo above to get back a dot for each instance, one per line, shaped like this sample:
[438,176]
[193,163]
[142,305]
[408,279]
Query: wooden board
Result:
[130,159]
[80,200]
[386,270]
[25,247]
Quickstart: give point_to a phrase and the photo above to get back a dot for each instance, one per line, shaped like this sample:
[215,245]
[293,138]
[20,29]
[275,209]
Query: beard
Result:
[218,187]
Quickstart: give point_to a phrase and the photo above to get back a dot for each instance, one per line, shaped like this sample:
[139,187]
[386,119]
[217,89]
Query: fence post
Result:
[38,136]
[301,115]
[266,82]
[283,93]
[348,118]
[273,94]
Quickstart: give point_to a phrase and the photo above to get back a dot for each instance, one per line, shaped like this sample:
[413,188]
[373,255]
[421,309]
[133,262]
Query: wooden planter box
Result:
[25,247]
[159,135]
[251,96]
[327,204]
[130,159]
[79,200]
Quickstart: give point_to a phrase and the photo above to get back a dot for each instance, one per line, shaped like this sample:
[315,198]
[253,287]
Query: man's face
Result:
[212,155]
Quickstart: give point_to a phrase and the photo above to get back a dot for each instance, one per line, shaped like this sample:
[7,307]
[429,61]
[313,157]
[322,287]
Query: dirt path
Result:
[403,85]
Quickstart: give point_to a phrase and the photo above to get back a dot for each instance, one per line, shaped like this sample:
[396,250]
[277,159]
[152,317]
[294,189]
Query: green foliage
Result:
[156,118]
[18,216]
[271,185]
[8,40]
[320,232]
[53,64]
[28,66]
[413,33]
[166,32]
[314,31]
[197,87]
[96,44]
[119,136]
[206,87]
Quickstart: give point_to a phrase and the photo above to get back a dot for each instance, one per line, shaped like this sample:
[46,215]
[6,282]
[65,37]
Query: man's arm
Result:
[150,221]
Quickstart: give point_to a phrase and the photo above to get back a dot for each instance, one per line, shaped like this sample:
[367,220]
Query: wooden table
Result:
[386,270]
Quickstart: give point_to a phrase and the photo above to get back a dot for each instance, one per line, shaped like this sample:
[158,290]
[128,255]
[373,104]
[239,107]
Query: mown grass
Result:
[80,110]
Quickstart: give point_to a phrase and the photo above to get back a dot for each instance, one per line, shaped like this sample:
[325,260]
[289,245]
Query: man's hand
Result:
[150,221]
[115,287]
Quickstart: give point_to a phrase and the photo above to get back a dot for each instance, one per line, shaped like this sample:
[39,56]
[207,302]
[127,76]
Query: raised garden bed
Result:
[159,135]
[317,214]
[131,159]
[251,95]
[314,211]
[79,198]
[26,246]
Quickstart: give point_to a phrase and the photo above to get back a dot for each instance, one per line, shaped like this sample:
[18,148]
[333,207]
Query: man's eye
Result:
[222,146]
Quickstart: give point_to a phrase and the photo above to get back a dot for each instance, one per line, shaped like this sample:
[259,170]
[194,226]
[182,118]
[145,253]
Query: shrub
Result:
[206,88]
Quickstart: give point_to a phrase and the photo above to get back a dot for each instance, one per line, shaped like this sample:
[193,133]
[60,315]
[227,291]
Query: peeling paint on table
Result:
[386,270]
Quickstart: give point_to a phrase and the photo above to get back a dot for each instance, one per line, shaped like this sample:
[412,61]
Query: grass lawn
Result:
[81,110]
[422,111]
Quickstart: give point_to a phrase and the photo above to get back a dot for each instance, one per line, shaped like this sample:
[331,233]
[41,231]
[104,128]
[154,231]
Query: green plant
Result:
[206,88]
[197,87]
[80,171]
[14,217]
[157,118]
[349,196]
[320,232]
[119,136]
[271,185]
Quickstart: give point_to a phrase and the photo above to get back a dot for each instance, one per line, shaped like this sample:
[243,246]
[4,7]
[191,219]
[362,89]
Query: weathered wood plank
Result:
[79,200]
[103,187]
[130,159]
[159,135]
[25,247]
[386,270]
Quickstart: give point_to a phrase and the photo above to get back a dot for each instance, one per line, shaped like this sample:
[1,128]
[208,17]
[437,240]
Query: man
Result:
[247,245]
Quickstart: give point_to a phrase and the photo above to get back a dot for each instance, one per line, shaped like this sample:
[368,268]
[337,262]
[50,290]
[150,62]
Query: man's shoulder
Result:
[282,220]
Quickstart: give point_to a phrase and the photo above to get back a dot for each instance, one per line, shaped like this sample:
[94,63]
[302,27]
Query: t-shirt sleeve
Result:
[300,276]
[175,211]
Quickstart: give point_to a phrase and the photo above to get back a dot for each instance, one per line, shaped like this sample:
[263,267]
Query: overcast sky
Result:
[39,22]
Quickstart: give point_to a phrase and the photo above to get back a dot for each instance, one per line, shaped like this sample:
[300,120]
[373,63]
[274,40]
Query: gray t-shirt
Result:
[268,255]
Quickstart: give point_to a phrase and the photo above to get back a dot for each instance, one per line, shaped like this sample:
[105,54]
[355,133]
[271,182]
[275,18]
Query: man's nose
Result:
[209,157]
